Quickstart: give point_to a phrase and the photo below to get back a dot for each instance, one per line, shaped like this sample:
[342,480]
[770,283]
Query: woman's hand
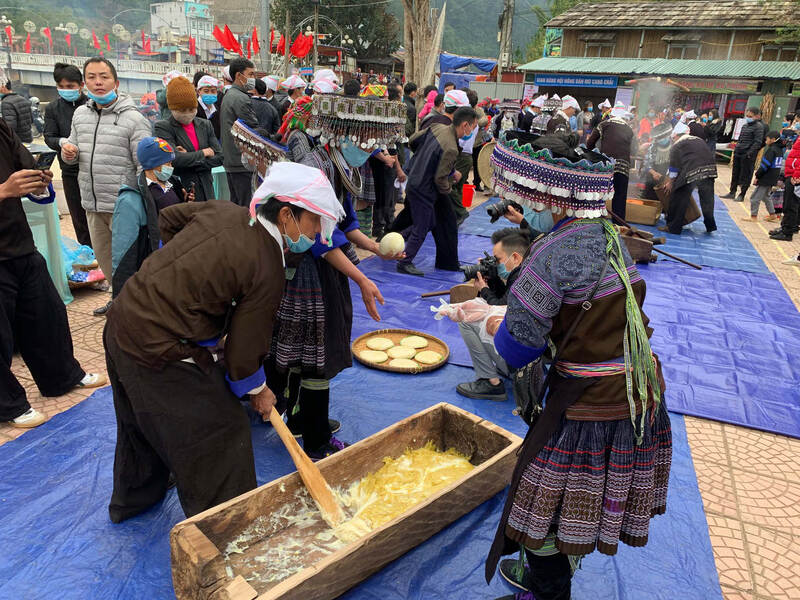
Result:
[369,294]
[376,248]
[263,402]
[513,215]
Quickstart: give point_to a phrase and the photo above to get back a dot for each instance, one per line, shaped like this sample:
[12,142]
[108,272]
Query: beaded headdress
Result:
[538,178]
[369,123]
[258,151]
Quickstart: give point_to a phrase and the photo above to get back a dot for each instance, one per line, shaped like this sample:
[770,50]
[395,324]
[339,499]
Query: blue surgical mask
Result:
[749,119]
[796,126]
[103,99]
[664,142]
[651,114]
[502,271]
[705,119]
[785,124]
[354,156]
[70,95]
[303,243]
[590,109]
[209,99]
[165,173]
[464,138]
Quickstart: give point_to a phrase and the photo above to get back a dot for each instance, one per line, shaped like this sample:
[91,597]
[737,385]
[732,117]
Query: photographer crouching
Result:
[493,276]
[535,223]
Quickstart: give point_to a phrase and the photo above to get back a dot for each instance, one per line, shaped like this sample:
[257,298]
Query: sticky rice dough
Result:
[428,357]
[401,352]
[379,343]
[414,341]
[403,363]
[373,356]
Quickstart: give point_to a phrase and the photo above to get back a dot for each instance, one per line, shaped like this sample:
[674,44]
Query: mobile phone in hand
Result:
[44,160]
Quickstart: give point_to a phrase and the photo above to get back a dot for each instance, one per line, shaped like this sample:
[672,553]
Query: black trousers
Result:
[383,210]
[791,208]
[72,192]
[33,316]
[463,165]
[742,172]
[178,420]
[620,201]
[438,218]
[476,177]
[680,202]
[551,576]
[307,410]
[240,184]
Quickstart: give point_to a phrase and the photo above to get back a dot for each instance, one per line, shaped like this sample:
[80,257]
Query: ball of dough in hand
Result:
[392,244]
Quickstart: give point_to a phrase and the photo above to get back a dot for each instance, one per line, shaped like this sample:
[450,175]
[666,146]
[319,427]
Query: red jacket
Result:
[793,160]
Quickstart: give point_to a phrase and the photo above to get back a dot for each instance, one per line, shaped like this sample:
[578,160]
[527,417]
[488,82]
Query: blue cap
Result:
[153,152]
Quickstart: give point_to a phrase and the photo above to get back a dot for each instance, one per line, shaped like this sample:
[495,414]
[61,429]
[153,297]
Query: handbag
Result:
[530,384]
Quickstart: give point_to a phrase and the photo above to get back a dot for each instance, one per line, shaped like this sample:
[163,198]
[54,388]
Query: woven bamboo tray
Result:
[434,343]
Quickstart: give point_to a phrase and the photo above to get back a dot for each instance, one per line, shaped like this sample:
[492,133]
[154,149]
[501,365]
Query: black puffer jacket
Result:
[57,125]
[16,111]
[751,139]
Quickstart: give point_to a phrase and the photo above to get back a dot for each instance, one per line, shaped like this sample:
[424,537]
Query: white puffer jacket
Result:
[106,141]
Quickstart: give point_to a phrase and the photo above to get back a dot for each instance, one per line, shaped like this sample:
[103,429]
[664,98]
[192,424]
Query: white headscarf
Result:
[570,102]
[619,109]
[272,82]
[539,102]
[303,186]
[207,81]
[170,76]
[688,116]
[604,104]
[325,75]
[456,98]
[293,82]
[680,129]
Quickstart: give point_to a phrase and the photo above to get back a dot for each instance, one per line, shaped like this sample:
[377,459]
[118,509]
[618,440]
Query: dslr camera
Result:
[487,267]
[498,209]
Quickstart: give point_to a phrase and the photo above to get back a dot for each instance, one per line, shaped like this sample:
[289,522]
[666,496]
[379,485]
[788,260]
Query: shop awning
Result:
[746,69]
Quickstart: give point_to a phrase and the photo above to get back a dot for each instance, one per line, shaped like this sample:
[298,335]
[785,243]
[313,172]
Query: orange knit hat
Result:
[181,94]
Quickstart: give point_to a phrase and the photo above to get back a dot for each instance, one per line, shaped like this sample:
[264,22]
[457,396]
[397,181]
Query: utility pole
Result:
[286,42]
[266,54]
[316,31]
[504,36]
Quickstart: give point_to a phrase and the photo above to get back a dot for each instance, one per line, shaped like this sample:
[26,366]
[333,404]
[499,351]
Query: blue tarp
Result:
[727,248]
[59,544]
[452,62]
[460,80]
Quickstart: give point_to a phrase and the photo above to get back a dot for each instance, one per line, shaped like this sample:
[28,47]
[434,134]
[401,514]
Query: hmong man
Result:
[616,140]
[220,275]
[656,161]
[691,166]
[594,468]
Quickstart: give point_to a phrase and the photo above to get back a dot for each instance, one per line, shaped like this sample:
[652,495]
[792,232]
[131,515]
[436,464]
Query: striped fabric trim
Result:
[611,284]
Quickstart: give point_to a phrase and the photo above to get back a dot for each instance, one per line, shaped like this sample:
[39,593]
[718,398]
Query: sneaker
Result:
[729,195]
[92,380]
[333,424]
[101,312]
[409,269]
[792,262]
[482,389]
[739,198]
[29,419]
[332,447]
[772,218]
[781,237]
[510,571]
[774,231]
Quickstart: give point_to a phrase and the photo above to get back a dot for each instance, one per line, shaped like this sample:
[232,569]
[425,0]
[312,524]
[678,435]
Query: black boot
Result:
[409,269]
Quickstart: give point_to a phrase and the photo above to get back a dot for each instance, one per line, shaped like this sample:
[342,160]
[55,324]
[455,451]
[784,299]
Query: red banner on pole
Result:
[10,37]
[68,39]
[249,45]
[28,44]
[108,44]
[254,38]
[192,46]
[95,41]
[233,43]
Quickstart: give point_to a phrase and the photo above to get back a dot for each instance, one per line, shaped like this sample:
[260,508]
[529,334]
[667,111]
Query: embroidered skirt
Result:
[592,486]
[298,336]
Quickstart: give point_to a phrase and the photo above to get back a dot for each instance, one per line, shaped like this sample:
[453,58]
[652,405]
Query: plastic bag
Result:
[494,311]
[75,254]
[470,311]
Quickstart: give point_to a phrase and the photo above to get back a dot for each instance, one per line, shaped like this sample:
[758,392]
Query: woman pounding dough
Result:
[311,341]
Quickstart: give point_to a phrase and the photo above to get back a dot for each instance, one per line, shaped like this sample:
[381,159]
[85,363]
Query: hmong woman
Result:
[594,468]
[311,343]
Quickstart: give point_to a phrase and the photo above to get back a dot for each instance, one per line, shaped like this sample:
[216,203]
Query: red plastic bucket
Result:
[467,193]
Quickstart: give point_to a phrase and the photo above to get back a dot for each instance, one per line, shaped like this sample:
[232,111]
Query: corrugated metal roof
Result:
[747,69]
[692,14]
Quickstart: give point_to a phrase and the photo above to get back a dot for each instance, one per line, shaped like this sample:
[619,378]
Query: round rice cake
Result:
[414,341]
[379,343]
[428,357]
[373,356]
[401,352]
[403,363]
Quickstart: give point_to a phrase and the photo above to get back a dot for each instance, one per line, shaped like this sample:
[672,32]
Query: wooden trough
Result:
[201,570]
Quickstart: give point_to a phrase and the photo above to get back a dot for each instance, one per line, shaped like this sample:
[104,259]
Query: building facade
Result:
[696,54]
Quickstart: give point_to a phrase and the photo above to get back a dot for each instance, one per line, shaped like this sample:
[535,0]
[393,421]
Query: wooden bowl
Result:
[434,343]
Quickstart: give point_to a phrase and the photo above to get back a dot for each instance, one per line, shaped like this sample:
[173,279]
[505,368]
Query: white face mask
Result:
[184,117]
